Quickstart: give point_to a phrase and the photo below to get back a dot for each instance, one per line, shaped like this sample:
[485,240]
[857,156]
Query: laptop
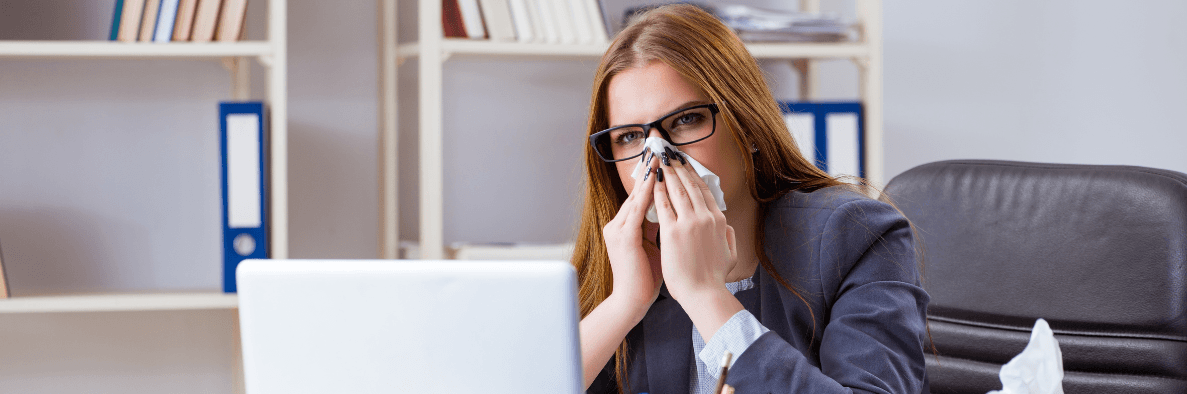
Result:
[408,326]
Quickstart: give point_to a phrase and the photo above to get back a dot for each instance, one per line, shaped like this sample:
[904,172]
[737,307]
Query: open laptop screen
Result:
[411,326]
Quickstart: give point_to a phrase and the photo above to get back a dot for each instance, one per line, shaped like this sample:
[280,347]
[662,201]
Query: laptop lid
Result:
[409,326]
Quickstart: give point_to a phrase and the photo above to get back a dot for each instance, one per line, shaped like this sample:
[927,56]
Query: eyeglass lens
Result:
[683,127]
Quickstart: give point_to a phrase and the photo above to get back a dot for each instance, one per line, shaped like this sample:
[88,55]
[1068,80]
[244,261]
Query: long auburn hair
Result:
[709,55]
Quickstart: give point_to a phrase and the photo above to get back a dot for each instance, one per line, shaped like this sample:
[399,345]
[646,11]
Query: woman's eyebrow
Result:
[687,104]
[677,108]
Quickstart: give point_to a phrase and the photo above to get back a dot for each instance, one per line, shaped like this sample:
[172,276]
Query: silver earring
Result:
[753,149]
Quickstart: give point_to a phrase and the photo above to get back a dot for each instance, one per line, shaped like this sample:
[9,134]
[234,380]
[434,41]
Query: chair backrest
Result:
[1100,252]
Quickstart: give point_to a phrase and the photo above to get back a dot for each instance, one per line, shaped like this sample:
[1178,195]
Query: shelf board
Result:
[812,50]
[490,48]
[119,302]
[759,50]
[113,49]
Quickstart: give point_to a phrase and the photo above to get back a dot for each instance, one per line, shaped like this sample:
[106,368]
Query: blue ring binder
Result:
[244,196]
[820,112]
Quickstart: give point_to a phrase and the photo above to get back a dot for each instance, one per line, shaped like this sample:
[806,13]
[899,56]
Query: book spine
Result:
[606,20]
[184,24]
[497,14]
[523,22]
[165,21]
[205,20]
[148,22]
[539,32]
[472,18]
[597,21]
[130,21]
[115,21]
[4,293]
[230,23]
[451,19]
[563,20]
[544,10]
[577,14]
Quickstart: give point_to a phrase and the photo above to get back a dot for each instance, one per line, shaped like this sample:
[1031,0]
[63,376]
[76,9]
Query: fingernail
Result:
[681,157]
[646,175]
[659,174]
[666,160]
[670,152]
[651,155]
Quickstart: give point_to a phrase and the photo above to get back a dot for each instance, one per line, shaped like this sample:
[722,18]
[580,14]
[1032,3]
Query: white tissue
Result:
[1038,369]
[657,145]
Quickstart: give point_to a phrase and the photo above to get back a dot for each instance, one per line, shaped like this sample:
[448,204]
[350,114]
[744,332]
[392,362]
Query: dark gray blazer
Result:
[852,260]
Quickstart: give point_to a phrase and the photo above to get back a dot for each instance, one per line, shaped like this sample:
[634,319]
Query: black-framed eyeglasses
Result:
[681,127]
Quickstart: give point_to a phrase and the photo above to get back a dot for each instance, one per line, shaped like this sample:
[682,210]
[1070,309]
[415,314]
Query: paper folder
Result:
[831,134]
[244,196]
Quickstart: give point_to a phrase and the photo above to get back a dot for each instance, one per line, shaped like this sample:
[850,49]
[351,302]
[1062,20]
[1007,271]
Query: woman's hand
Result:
[698,248]
[636,283]
[636,280]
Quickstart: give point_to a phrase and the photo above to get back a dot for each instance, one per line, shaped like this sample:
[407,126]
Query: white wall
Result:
[1065,81]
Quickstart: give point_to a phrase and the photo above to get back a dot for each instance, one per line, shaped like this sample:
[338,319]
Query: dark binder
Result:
[244,196]
[835,137]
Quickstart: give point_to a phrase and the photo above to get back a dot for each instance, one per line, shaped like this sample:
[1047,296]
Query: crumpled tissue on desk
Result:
[1038,369]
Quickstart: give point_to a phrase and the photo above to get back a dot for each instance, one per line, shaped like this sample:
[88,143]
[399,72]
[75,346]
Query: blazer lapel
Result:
[668,345]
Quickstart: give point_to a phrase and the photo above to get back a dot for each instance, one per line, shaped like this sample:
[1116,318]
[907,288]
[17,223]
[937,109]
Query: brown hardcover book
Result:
[451,18]
[3,278]
[205,20]
[148,24]
[184,24]
[230,23]
[130,20]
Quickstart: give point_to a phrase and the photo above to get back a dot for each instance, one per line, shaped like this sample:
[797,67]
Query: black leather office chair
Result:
[1100,252]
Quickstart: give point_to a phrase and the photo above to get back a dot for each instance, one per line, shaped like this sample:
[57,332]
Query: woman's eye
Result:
[688,119]
[627,137]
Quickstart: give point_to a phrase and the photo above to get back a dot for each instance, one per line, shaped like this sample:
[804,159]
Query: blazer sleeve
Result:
[873,338]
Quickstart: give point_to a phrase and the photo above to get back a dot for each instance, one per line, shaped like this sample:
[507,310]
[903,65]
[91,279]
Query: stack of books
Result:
[178,20]
[528,21]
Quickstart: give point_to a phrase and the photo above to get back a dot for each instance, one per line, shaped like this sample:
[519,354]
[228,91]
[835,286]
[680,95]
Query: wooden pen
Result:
[725,368]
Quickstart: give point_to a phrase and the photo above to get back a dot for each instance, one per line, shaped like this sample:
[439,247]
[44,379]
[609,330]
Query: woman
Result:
[836,305]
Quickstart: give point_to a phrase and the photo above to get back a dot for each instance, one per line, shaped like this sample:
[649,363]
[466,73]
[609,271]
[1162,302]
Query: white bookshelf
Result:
[272,55]
[432,50]
[120,302]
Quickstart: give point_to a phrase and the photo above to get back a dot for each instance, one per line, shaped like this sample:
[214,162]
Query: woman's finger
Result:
[688,179]
[677,193]
[631,202]
[706,193]
[643,197]
[663,204]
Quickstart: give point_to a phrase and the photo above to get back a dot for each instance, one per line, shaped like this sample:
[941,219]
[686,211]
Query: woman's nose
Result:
[648,156]
[654,132]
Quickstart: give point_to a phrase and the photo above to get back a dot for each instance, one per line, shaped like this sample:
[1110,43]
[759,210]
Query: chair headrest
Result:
[1092,249]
